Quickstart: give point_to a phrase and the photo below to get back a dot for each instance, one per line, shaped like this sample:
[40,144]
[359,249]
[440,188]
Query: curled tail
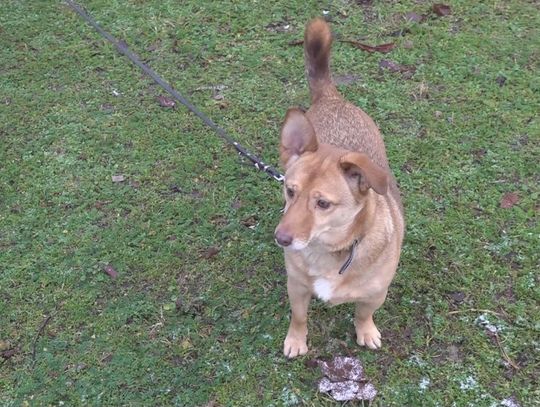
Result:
[317,45]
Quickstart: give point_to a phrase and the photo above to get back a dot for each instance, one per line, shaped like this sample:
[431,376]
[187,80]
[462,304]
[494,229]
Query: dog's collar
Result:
[349,260]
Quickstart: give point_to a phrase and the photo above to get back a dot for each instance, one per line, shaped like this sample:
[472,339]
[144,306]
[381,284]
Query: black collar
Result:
[350,258]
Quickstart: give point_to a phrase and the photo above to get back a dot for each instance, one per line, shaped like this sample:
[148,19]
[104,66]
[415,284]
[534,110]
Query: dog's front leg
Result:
[299,296]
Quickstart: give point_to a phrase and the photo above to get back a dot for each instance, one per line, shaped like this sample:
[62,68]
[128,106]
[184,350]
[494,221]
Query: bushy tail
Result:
[317,45]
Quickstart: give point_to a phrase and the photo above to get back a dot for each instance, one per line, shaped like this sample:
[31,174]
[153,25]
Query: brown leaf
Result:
[279,27]
[107,358]
[346,79]
[110,271]
[249,222]
[383,48]
[296,42]
[164,101]
[414,17]
[442,10]
[7,354]
[392,66]
[210,252]
[509,199]
[101,204]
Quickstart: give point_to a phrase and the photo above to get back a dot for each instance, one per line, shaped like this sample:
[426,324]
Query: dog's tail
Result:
[317,45]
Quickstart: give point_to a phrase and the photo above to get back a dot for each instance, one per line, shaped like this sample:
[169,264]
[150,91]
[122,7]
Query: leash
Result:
[123,49]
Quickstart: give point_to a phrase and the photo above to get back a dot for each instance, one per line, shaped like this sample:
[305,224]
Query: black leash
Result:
[123,49]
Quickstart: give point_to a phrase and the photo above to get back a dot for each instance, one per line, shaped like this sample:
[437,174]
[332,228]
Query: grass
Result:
[199,310]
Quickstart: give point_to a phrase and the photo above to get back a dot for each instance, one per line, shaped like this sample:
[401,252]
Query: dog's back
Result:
[335,120]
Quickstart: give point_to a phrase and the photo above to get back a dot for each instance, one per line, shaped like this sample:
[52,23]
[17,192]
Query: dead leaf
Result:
[383,48]
[442,10]
[296,42]
[118,178]
[106,358]
[110,271]
[7,354]
[408,44]
[101,204]
[414,17]
[406,70]
[509,199]
[250,222]
[107,108]
[278,27]
[400,33]
[210,252]
[164,101]
[236,204]
[346,79]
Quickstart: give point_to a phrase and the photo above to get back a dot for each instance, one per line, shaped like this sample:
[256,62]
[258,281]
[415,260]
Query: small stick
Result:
[504,354]
[475,310]
[40,331]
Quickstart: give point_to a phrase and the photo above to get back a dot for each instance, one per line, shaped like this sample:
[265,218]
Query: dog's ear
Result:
[365,173]
[297,136]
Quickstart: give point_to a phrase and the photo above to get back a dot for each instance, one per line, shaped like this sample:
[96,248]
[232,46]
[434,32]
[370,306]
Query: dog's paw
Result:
[368,335]
[293,347]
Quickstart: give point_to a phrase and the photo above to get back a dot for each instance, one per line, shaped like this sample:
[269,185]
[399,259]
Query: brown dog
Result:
[343,221]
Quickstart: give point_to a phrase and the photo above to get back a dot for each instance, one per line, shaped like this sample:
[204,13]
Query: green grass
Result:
[180,327]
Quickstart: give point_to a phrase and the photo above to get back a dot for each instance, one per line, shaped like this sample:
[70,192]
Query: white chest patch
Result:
[323,289]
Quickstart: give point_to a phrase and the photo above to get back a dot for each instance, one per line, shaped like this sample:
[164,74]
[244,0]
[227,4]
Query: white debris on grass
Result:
[468,383]
[424,383]
[510,402]
[483,322]
[288,397]
[415,359]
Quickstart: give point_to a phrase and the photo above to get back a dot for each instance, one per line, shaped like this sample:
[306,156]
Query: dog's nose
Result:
[283,239]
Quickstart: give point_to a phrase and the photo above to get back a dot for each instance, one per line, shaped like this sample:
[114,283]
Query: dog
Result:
[343,222]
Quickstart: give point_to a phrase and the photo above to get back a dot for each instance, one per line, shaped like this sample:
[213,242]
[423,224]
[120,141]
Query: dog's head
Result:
[325,187]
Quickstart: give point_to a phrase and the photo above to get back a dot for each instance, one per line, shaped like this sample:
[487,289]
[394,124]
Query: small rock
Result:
[4,345]
[408,44]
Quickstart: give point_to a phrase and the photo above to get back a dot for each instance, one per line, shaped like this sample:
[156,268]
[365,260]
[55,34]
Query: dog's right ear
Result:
[297,137]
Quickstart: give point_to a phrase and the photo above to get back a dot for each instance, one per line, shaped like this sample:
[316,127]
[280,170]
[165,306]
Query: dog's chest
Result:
[325,275]
[323,288]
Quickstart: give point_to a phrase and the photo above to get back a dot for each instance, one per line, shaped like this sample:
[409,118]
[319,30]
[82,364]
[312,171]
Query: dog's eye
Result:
[321,203]
[290,192]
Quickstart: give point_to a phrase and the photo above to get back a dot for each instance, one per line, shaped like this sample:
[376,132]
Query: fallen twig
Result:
[504,354]
[40,331]
[474,310]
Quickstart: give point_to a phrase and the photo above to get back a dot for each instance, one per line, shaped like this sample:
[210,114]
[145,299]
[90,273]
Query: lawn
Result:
[137,259]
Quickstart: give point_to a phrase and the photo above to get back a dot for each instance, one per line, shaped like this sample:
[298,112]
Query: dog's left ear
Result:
[297,136]
[359,168]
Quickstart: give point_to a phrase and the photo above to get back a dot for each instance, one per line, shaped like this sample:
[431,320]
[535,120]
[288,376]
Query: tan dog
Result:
[343,222]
